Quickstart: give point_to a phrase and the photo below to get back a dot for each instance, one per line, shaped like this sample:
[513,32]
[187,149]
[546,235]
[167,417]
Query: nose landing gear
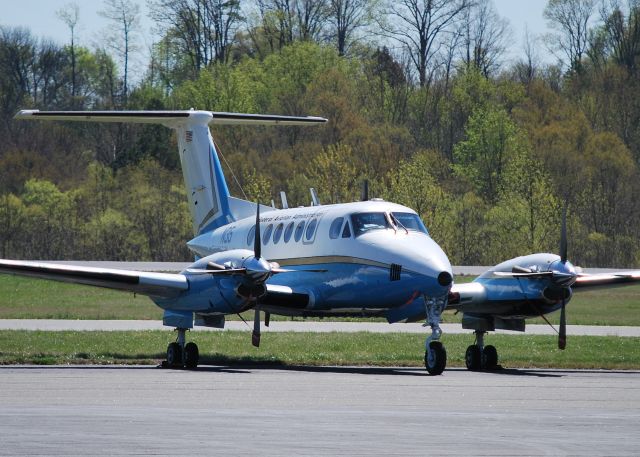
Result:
[435,356]
[181,355]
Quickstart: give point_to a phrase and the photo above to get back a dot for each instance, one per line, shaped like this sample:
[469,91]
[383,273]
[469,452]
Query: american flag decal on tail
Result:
[189,136]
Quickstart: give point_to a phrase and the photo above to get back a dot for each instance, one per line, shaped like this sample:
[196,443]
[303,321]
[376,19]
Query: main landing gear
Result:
[181,355]
[435,355]
[480,357]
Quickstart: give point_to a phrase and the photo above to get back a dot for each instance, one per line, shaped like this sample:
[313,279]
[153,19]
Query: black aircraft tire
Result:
[439,362]
[473,358]
[174,355]
[489,358]
[191,355]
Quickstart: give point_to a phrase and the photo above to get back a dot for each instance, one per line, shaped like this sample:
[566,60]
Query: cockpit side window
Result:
[410,221]
[336,225]
[364,222]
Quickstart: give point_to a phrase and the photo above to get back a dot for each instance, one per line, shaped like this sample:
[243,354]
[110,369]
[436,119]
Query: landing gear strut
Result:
[435,356]
[181,355]
[480,357]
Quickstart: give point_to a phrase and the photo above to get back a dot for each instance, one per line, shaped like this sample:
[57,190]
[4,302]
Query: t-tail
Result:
[210,202]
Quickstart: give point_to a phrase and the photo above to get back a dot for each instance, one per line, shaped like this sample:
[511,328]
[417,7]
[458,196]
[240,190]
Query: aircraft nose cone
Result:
[432,262]
[445,279]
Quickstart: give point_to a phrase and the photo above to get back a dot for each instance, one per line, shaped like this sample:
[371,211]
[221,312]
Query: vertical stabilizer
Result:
[207,189]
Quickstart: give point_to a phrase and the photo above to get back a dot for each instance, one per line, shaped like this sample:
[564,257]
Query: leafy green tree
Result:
[608,197]
[12,214]
[153,199]
[49,220]
[257,187]
[113,236]
[222,88]
[483,156]
[465,231]
[334,175]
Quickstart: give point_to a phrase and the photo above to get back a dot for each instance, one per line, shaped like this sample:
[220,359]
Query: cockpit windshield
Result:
[364,222]
[410,221]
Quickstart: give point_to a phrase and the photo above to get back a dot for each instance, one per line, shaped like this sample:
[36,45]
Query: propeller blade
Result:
[255,336]
[267,319]
[562,333]
[563,236]
[257,247]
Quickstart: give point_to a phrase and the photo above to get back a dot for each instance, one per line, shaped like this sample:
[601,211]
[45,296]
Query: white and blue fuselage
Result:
[367,258]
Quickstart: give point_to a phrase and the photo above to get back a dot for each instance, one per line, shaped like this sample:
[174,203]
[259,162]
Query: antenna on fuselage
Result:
[315,201]
[283,198]
[365,190]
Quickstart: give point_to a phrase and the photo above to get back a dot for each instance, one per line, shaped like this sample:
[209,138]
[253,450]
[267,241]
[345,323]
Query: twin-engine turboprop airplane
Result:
[369,258]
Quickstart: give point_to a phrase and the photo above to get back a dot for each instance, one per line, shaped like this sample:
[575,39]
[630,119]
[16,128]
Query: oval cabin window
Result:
[288,231]
[277,233]
[267,234]
[311,228]
[299,230]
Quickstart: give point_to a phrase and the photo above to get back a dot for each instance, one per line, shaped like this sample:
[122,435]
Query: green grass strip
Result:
[311,349]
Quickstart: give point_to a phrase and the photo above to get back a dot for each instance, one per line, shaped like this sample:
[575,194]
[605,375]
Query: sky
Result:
[40,17]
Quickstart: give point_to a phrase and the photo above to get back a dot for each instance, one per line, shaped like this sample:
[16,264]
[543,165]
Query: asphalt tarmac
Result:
[87,410]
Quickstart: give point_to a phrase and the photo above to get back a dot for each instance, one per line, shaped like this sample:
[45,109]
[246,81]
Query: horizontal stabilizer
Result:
[170,118]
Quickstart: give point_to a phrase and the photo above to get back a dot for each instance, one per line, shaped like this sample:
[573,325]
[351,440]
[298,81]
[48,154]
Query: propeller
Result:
[254,272]
[561,281]
[257,248]
[257,251]
[562,332]
[255,335]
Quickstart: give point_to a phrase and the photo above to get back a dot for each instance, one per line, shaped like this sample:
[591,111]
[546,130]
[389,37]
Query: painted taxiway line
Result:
[297,326]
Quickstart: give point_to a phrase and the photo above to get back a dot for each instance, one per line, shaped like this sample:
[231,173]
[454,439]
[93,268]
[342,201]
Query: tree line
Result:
[421,103]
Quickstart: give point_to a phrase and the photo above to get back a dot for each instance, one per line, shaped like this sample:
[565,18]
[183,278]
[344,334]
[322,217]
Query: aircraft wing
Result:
[606,280]
[141,282]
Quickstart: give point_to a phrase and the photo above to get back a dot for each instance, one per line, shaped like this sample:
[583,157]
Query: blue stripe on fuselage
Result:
[348,285]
